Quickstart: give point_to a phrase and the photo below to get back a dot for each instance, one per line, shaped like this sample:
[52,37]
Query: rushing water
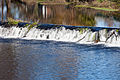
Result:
[59,14]
[50,60]
[83,35]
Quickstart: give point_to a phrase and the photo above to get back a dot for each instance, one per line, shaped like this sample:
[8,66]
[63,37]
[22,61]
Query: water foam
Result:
[108,37]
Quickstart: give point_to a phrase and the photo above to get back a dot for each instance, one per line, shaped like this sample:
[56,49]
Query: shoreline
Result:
[86,5]
[105,5]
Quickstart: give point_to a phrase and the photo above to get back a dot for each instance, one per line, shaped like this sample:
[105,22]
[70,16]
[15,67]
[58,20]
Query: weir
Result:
[82,34]
[48,26]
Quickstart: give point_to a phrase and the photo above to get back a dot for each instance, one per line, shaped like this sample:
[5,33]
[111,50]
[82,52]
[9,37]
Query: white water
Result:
[61,34]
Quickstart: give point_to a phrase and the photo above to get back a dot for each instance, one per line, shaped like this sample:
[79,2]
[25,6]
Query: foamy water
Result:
[84,36]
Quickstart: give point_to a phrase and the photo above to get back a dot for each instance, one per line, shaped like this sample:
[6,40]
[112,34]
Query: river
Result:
[58,54]
[59,14]
[50,60]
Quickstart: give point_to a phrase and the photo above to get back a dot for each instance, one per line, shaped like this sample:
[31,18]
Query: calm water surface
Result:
[50,60]
[58,14]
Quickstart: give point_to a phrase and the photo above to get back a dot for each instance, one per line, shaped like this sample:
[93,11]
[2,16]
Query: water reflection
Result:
[49,60]
[58,14]
[106,22]
[7,62]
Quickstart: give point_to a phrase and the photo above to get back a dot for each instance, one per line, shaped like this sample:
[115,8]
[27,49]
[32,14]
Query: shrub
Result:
[100,0]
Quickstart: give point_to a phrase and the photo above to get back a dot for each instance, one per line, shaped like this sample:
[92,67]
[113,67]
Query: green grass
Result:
[12,21]
[32,25]
[97,8]
[82,6]
[105,9]
[52,3]
[117,30]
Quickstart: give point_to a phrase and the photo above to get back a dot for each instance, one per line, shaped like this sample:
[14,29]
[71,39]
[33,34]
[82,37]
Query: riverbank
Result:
[104,5]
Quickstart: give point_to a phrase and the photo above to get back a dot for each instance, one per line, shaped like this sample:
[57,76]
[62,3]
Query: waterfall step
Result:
[49,26]
[79,34]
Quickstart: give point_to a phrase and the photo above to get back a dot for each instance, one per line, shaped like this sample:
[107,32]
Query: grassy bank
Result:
[54,3]
[105,5]
[94,4]
[97,8]
[98,5]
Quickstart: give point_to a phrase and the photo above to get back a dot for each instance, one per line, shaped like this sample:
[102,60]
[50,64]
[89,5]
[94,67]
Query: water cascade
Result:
[80,35]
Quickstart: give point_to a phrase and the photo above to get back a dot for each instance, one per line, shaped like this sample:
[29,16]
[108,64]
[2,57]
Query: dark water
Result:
[58,14]
[50,60]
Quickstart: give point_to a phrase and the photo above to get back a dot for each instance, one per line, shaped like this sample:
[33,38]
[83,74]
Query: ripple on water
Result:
[50,60]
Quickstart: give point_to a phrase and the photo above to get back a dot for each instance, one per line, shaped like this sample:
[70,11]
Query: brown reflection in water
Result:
[26,63]
[8,5]
[68,69]
[7,63]
[2,9]
[66,65]
[55,14]
[61,14]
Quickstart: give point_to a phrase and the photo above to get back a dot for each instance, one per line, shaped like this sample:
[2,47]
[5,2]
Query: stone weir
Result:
[80,34]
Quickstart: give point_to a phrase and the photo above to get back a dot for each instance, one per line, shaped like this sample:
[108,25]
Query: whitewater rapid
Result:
[109,37]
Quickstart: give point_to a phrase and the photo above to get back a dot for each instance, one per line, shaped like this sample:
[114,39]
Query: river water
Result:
[44,59]
[50,60]
[59,14]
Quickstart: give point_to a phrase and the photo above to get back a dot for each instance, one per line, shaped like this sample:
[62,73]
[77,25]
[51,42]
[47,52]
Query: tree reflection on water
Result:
[57,14]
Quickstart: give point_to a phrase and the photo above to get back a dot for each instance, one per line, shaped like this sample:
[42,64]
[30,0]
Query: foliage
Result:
[100,0]
[12,21]
[26,25]
[86,20]
[81,30]
[114,0]
[32,25]
[105,9]
[117,30]
[65,3]
[81,0]
[97,8]
[82,6]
